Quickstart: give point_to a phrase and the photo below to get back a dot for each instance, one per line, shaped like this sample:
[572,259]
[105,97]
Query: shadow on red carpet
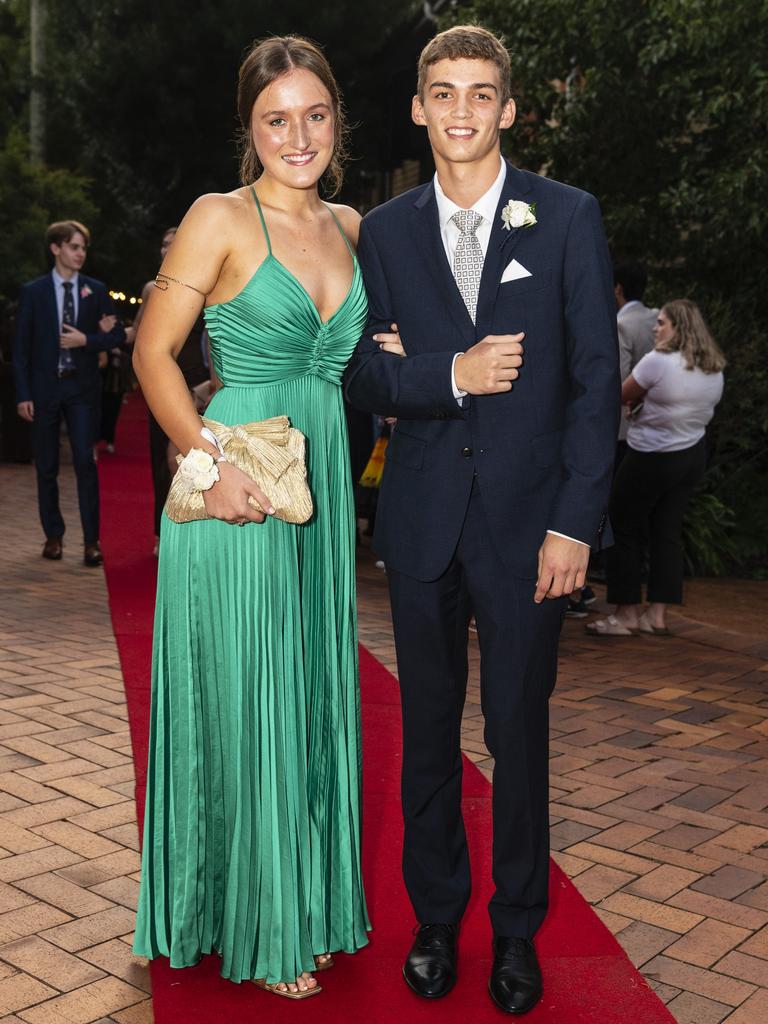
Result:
[587,976]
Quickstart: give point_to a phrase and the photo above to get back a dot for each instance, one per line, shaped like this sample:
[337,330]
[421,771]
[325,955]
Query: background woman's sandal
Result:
[610,626]
[287,994]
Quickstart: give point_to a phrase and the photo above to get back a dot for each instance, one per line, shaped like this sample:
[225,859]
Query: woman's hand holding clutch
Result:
[390,342]
[228,498]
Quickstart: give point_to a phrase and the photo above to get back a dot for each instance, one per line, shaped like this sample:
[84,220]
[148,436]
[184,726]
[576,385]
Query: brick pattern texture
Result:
[659,798]
[68,838]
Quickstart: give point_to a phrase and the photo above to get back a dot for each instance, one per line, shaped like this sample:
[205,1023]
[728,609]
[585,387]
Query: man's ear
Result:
[55,249]
[508,114]
[417,112]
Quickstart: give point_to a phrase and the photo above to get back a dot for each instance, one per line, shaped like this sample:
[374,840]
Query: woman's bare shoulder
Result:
[349,219]
[217,208]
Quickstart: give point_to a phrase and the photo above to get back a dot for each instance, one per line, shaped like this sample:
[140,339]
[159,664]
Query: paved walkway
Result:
[659,794]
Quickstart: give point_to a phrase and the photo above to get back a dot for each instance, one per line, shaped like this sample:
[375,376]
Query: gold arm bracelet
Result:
[161,282]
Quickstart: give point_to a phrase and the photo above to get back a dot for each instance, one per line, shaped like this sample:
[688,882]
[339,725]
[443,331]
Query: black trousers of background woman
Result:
[650,494]
[161,474]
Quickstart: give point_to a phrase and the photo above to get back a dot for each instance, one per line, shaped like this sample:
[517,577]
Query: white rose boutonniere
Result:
[517,214]
[197,470]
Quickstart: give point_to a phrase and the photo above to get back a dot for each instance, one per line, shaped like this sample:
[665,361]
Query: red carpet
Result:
[587,977]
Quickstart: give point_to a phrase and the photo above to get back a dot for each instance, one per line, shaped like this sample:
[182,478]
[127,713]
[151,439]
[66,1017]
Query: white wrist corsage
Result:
[197,470]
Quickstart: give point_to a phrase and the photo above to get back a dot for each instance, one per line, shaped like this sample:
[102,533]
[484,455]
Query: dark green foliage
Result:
[141,100]
[660,109]
[30,198]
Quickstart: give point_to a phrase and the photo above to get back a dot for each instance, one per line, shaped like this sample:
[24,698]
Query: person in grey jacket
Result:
[635,322]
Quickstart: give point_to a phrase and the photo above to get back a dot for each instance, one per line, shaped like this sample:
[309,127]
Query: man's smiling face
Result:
[462,110]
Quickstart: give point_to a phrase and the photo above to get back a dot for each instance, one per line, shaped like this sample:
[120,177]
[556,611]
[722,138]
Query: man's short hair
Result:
[466,42]
[63,230]
[633,277]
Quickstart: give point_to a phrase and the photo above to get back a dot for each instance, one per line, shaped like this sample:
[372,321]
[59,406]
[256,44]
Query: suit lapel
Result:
[430,244]
[51,309]
[502,242]
[82,300]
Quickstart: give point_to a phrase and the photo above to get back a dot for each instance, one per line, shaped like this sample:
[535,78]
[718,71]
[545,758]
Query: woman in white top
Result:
[679,384]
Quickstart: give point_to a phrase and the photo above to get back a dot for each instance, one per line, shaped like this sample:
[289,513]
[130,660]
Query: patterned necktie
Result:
[66,361]
[468,258]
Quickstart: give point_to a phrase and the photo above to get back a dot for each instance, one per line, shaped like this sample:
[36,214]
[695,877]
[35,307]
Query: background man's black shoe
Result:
[92,555]
[515,983]
[52,549]
[430,968]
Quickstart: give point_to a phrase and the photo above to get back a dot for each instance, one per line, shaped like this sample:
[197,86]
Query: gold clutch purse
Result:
[271,452]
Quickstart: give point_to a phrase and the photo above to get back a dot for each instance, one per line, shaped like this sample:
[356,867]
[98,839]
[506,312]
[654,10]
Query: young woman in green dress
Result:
[252,824]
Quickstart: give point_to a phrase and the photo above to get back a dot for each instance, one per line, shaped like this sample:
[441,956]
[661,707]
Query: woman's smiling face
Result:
[292,124]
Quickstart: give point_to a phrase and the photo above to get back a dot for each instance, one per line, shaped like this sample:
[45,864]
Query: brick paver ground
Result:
[68,839]
[659,793]
[659,798]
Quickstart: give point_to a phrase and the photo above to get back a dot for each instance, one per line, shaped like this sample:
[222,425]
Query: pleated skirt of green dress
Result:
[253,813]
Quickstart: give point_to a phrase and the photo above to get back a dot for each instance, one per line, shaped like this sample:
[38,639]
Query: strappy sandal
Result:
[262,983]
[324,965]
[610,626]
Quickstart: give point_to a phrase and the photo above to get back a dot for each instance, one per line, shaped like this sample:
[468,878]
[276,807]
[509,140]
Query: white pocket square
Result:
[514,271]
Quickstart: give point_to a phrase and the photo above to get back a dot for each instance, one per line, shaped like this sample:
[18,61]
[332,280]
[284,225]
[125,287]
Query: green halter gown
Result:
[252,820]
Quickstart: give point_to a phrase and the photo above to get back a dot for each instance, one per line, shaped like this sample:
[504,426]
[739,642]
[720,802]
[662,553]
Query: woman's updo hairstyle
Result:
[266,61]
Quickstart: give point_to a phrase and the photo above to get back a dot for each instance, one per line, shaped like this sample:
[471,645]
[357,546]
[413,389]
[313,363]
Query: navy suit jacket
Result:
[36,345]
[543,452]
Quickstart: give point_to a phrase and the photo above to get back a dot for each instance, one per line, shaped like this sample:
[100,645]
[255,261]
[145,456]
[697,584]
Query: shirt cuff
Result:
[458,394]
[566,537]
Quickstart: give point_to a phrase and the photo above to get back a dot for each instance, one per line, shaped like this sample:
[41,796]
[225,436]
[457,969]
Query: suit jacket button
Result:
[467,453]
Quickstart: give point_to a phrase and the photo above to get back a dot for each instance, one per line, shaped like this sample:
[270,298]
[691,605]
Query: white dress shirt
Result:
[486,206]
[58,287]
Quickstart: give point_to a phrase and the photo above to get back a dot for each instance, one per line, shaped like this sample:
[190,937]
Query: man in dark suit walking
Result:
[65,319]
[504,379]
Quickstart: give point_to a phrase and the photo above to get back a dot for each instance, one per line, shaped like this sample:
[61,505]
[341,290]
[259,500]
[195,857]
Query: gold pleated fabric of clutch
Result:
[272,453]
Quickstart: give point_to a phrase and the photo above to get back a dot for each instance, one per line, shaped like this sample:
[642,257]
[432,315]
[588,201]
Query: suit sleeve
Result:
[594,404]
[416,387]
[22,344]
[99,341]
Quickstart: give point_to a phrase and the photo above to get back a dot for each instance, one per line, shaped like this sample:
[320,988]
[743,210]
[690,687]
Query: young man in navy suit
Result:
[65,319]
[504,379]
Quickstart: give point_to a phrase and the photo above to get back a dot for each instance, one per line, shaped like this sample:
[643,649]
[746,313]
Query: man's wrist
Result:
[458,394]
[565,536]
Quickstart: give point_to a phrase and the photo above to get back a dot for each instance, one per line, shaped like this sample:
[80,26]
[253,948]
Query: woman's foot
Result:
[653,620]
[305,985]
[323,961]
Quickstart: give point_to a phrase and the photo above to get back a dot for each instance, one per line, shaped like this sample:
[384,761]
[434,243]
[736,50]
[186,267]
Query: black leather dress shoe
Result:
[515,983]
[430,968]
[92,555]
[52,549]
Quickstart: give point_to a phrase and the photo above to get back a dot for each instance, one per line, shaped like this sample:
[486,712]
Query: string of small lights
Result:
[122,297]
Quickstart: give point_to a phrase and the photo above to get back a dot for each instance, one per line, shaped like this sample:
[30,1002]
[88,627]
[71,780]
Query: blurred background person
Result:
[636,323]
[64,320]
[679,383]
[115,367]
[194,363]
[15,433]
